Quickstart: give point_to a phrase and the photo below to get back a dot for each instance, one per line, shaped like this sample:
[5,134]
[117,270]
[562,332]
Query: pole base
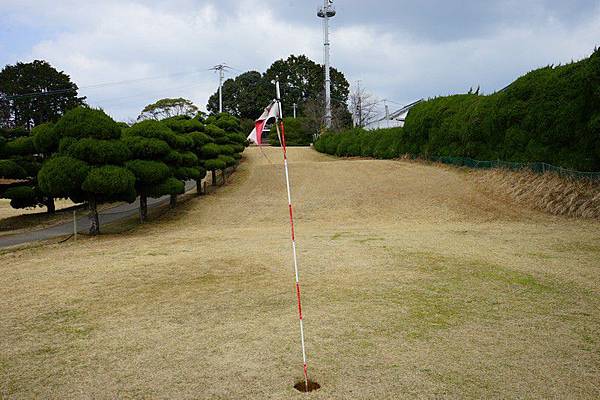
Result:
[301,386]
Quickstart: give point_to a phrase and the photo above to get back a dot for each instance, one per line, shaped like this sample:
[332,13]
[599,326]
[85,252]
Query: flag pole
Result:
[281,135]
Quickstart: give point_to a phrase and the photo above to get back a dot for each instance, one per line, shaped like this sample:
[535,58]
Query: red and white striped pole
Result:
[281,135]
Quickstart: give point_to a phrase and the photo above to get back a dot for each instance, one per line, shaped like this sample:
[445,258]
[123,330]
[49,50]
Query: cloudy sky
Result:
[400,50]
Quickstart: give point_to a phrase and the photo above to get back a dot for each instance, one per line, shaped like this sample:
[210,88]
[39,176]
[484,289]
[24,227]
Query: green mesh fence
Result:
[539,167]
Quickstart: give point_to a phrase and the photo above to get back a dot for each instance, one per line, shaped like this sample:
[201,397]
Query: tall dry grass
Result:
[547,192]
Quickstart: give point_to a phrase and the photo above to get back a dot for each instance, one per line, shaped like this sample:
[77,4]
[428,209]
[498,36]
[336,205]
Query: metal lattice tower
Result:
[326,12]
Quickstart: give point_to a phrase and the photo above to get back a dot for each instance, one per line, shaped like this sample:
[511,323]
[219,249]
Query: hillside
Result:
[415,283]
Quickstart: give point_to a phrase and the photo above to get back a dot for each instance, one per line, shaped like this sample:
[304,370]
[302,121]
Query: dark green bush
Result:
[214,164]
[297,132]
[200,139]
[83,122]
[99,152]
[21,146]
[214,131]
[228,160]
[45,138]
[11,170]
[110,182]
[22,197]
[152,129]
[62,176]
[171,186]
[549,115]
[148,172]
[145,148]
[210,150]
[189,159]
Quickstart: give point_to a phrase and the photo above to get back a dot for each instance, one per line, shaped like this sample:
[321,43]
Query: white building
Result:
[393,120]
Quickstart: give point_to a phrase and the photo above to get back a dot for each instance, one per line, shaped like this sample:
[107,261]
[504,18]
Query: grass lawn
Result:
[415,284]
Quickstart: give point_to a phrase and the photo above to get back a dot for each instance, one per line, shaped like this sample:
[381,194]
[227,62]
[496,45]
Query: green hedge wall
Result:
[550,115]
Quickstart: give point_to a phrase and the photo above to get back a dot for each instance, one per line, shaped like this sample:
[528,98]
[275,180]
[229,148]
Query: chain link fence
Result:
[538,167]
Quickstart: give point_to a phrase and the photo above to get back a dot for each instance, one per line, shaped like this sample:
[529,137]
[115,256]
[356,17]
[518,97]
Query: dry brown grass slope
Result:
[415,284]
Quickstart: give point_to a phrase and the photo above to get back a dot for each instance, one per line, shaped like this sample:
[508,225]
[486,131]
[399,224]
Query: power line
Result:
[138,80]
[97,85]
[146,94]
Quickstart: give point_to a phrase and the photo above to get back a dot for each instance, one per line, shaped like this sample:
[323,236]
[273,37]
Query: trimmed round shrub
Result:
[145,148]
[228,160]
[184,142]
[62,176]
[189,159]
[200,139]
[210,150]
[183,124]
[226,150]
[186,173]
[173,157]
[22,196]
[99,152]
[65,143]
[21,146]
[171,186]
[45,138]
[84,122]
[214,131]
[215,163]
[148,172]
[152,129]
[228,123]
[237,138]
[11,170]
[109,181]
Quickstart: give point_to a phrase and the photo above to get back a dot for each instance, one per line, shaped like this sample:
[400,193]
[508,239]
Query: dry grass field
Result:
[415,285]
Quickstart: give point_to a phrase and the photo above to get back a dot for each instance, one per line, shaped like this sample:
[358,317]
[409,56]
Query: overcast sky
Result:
[400,50]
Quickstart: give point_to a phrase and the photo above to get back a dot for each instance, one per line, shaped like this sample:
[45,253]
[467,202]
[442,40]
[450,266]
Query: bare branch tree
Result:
[363,106]
[314,111]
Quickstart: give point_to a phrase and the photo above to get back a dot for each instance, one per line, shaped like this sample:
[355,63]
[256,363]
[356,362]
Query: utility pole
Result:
[326,12]
[387,113]
[359,104]
[221,68]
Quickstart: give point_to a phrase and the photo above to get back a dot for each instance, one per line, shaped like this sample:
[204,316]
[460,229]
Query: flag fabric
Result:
[272,111]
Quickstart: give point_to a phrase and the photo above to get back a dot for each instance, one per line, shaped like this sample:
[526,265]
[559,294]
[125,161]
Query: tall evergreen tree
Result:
[34,93]
[90,164]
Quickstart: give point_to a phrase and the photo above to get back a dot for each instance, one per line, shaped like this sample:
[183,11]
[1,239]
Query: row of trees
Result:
[87,156]
[301,81]
[549,115]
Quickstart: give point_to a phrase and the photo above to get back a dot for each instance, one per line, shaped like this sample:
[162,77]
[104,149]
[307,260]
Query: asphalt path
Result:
[114,214]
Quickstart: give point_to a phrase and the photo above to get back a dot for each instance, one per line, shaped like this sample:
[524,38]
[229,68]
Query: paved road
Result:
[107,216]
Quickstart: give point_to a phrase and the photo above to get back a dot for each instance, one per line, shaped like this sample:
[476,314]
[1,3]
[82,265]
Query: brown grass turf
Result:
[416,285]
[547,192]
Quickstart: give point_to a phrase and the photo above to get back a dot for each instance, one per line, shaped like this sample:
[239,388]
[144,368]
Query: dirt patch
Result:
[305,387]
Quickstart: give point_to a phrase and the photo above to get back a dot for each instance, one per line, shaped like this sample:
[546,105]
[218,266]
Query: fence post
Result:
[75,224]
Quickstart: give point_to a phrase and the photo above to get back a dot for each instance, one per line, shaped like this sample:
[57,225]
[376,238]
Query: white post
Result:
[75,224]
[281,135]
[221,89]
[294,110]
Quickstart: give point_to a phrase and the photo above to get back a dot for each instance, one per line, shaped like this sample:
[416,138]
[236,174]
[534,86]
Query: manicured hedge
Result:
[550,115]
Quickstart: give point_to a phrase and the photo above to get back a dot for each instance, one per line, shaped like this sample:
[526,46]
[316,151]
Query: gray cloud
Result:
[400,50]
